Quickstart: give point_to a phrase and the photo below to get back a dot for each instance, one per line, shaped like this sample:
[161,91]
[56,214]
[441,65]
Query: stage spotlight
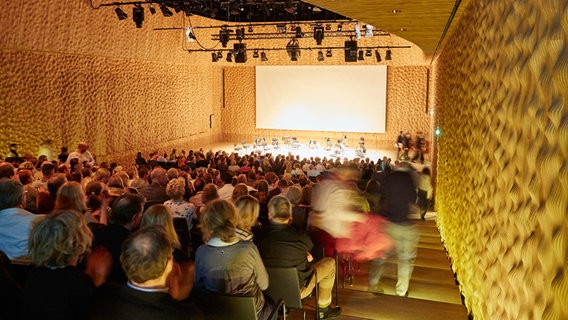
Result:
[340,27]
[240,34]
[189,34]
[328,27]
[361,55]
[152,10]
[214,57]
[320,56]
[120,14]
[229,56]
[328,53]
[318,34]
[138,16]
[166,11]
[219,55]
[224,36]
[368,30]
[388,55]
[369,53]
[357,31]
[378,56]
[263,56]
[299,33]
[255,54]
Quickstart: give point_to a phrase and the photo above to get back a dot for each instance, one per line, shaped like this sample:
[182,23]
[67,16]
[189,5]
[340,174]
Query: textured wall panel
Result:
[406,103]
[502,195]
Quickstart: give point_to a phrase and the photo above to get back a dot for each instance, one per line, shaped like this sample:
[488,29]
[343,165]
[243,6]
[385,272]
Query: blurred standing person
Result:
[406,141]
[399,144]
[63,155]
[398,198]
[13,152]
[424,192]
[83,154]
[419,147]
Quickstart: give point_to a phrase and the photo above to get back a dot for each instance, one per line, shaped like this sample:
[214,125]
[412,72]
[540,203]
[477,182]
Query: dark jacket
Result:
[398,194]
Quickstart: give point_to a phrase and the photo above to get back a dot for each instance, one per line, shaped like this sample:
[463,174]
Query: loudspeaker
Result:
[350,51]
[240,52]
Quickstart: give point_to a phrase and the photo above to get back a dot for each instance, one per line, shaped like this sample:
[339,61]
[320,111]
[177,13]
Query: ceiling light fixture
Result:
[328,26]
[166,11]
[255,54]
[120,14]
[369,53]
[340,27]
[328,53]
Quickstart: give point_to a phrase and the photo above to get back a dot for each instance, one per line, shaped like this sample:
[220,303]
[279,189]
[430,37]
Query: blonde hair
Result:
[59,238]
[240,190]
[219,220]
[248,210]
[71,196]
[176,188]
[161,215]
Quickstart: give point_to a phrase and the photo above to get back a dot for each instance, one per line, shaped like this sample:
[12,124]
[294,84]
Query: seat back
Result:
[182,230]
[284,284]
[218,306]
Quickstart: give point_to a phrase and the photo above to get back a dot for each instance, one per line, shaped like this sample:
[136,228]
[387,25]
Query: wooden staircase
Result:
[433,293]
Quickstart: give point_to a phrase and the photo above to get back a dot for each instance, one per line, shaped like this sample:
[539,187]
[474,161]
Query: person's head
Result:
[70,196]
[123,176]
[159,214]
[198,184]
[59,239]
[209,193]
[159,176]
[127,210]
[280,210]
[25,176]
[262,186]
[6,170]
[294,194]
[83,147]
[227,177]
[54,183]
[219,220]
[147,255]
[132,172]
[101,175]
[115,182]
[172,173]
[176,188]
[282,184]
[96,192]
[11,194]
[248,210]
[240,190]
[373,187]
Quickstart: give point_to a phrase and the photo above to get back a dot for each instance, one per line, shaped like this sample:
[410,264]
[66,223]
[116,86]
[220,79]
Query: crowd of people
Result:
[109,240]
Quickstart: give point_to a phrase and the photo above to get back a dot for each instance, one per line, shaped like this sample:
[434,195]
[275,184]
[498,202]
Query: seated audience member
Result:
[226,191]
[209,194]
[25,177]
[240,190]
[262,195]
[70,196]
[46,200]
[226,265]
[125,217]
[47,170]
[147,260]
[15,222]
[155,192]
[247,209]
[98,200]
[299,220]
[180,208]
[101,175]
[180,280]
[56,289]
[281,246]
[7,170]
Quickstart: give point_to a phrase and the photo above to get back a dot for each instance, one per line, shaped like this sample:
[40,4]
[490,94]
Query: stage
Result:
[306,150]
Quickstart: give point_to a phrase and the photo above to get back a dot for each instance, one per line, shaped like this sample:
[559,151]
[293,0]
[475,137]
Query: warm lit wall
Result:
[71,73]
[502,195]
[406,109]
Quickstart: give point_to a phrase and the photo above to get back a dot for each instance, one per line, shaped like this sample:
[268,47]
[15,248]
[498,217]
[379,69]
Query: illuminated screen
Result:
[321,98]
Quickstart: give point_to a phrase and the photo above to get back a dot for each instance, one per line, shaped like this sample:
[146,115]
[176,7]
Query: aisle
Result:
[433,293]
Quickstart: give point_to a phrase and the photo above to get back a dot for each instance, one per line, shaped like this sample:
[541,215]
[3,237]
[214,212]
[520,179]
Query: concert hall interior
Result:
[486,82]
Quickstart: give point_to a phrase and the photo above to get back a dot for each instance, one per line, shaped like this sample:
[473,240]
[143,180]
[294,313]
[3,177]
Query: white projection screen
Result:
[321,98]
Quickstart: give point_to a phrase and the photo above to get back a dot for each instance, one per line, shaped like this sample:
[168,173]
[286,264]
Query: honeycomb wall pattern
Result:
[406,109]
[502,197]
[70,73]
